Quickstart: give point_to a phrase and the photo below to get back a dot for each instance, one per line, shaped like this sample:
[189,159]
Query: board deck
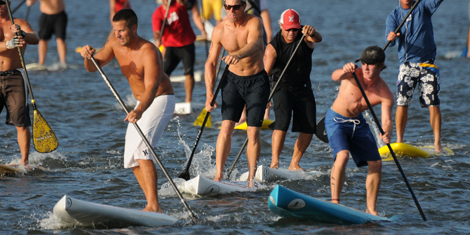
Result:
[12,169]
[36,67]
[402,149]
[264,126]
[202,186]
[268,174]
[77,212]
[290,204]
[198,76]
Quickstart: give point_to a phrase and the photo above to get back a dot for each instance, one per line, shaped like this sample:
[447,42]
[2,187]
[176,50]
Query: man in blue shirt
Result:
[417,53]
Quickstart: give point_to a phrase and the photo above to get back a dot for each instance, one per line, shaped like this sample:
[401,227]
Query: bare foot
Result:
[218,179]
[275,165]
[295,168]
[155,208]
[372,212]
[335,201]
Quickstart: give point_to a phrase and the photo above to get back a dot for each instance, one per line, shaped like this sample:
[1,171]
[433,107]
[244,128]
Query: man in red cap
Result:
[293,96]
[246,83]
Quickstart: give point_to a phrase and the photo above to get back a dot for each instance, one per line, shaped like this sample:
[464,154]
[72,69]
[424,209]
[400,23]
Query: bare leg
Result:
[302,143]
[61,49]
[338,175]
[42,51]
[146,175]
[373,184]
[252,152]
[24,141]
[242,117]
[401,117]
[189,87]
[435,115]
[277,140]
[223,146]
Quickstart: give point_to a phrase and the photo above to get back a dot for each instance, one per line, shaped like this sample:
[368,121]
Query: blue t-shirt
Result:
[416,42]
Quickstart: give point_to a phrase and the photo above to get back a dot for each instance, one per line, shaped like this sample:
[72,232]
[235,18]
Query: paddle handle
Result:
[389,147]
[162,167]
[164,21]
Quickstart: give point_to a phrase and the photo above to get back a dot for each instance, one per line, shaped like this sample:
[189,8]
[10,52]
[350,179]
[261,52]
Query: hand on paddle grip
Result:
[87,51]
[14,42]
[308,30]
[209,107]
[392,36]
[133,116]
[232,59]
[386,137]
[349,67]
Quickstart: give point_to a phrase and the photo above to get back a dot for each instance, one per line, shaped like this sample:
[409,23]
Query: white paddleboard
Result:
[268,174]
[35,67]
[203,186]
[78,212]
[187,108]
[198,76]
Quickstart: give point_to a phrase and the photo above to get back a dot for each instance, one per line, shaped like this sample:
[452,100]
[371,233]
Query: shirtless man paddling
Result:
[141,62]
[246,84]
[348,131]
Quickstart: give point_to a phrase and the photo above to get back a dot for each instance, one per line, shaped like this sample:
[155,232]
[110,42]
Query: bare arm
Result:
[270,56]
[267,24]
[103,57]
[30,2]
[387,105]
[344,73]
[198,19]
[211,64]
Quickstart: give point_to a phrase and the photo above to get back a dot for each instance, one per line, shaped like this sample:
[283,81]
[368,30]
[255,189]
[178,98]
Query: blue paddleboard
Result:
[290,204]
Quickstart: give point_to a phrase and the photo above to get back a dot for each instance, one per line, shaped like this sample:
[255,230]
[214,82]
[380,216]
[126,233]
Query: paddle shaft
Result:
[164,21]
[185,174]
[402,22]
[389,147]
[270,96]
[143,138]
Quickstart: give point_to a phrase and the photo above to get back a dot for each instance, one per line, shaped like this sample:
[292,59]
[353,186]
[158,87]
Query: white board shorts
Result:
[152,123]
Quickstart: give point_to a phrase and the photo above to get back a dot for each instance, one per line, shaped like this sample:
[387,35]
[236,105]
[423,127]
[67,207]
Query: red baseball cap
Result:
[290,19]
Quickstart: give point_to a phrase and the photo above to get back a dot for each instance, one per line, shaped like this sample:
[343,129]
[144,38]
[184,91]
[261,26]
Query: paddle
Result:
[200,119]
[143,138]
[321,133]
[44,138]
[164,21]
[185,174]
[270,96]
[27,13]
[389,147]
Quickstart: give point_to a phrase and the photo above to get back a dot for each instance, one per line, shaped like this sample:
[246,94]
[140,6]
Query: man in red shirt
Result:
[178,38]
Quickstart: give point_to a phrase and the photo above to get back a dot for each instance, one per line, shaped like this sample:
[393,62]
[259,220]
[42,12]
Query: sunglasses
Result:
[293,30]
[234,7]
[2,2]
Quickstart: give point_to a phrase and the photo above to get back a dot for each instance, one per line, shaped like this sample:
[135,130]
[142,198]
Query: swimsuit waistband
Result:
[9,72]
[249,76]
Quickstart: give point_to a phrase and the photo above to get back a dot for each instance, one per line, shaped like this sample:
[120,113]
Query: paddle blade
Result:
[321,131]
[201,117]
[44,138]
[184,175]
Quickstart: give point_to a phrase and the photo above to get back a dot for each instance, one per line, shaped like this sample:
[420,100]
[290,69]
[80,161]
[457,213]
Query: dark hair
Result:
[128,15]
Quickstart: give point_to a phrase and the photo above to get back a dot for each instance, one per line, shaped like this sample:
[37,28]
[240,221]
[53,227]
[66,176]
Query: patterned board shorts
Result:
[426,75]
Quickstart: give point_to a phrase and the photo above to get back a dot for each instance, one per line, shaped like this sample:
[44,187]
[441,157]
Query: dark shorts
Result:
[299,104]
[250,90]
[352,134]
[174,55]
[13,97]
[52,24]
[426,76]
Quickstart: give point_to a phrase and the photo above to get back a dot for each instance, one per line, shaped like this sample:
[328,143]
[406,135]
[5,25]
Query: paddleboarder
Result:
[141,62]
[53,20]
[12,86]
[247,83]
[348,131]
[294,95]
[417,56]
[178,38]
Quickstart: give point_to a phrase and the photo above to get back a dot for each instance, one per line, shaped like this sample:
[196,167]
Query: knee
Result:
[375,166]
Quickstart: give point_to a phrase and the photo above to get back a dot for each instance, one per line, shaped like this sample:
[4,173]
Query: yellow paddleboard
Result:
[264,126]
[402,149]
